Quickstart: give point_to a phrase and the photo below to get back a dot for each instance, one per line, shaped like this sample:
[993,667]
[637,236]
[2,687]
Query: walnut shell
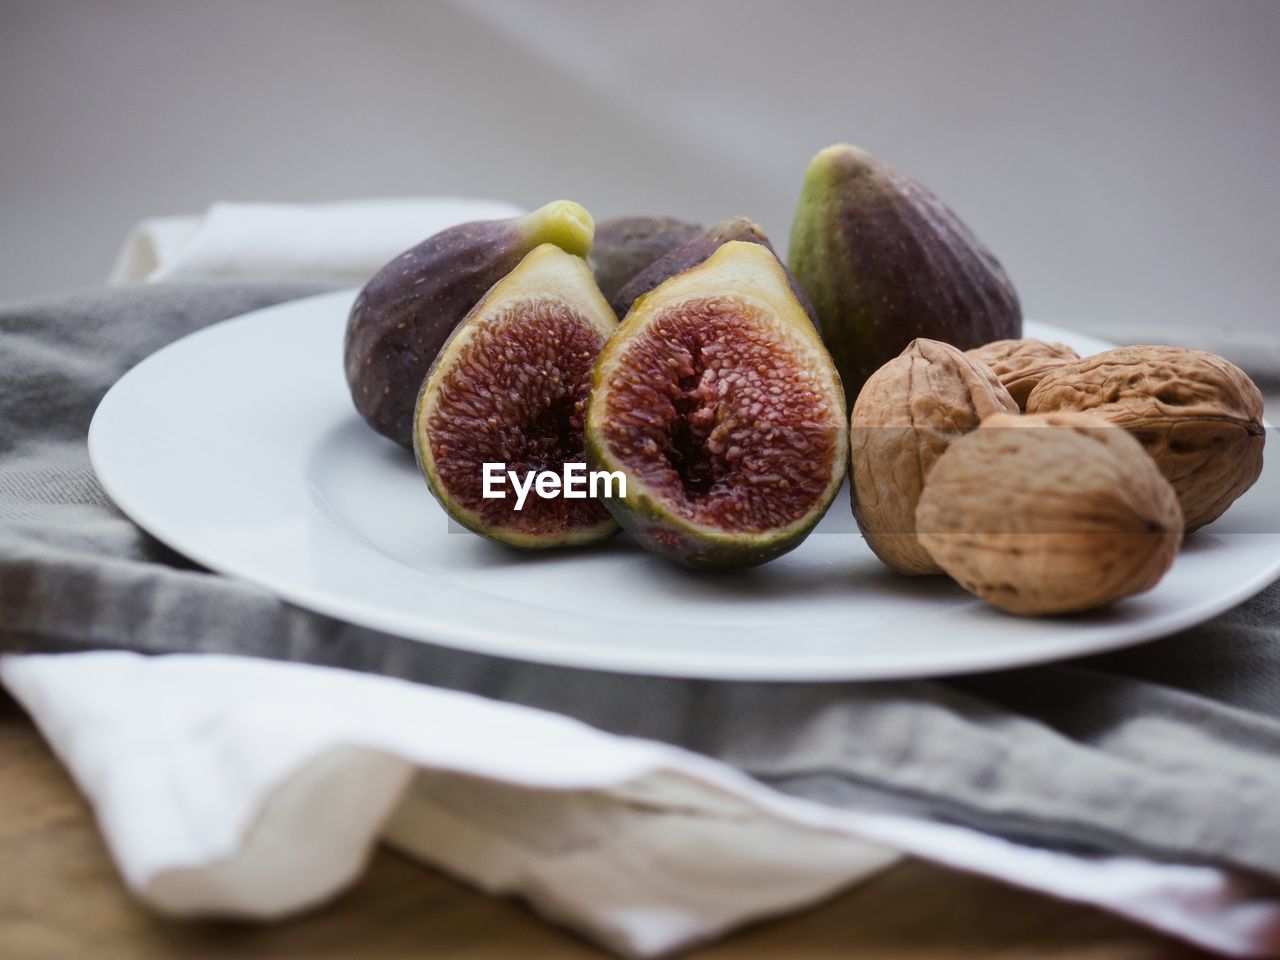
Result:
[904,418]
[1060,519]
[1198,416]
[1021,364]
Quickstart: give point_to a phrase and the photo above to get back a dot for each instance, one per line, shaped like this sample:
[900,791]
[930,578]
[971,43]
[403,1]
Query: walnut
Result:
[904,418]
[1198,416]
[1021,364]
[1064,518]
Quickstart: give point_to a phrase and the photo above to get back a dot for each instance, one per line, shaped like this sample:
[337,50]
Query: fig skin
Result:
[626,245]
[406,312]
[885,262]
[688,255]
[546,275]
[751,278]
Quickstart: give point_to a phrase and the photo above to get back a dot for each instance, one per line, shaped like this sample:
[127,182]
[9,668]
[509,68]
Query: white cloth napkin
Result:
[343,242]
[244,787]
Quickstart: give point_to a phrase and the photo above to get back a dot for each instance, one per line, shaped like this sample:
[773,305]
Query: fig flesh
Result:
[626,245]
[719,404]
[885,262]
[510,387]
[692,253]
[404,314]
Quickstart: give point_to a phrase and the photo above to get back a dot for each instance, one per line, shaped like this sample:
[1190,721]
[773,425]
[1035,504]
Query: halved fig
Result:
[510,387]
[404,314]
[718,403]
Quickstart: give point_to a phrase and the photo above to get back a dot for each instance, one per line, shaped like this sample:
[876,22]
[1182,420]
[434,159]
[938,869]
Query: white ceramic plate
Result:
[238,446]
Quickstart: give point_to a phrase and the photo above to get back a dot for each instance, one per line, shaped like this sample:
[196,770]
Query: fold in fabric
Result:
[232,786]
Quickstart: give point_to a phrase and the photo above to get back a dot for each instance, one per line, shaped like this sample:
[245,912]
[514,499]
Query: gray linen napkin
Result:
[1170,750]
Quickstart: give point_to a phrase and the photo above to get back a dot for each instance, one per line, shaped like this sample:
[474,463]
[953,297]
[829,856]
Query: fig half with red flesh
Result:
[405,313]
[510,387]
[723,410]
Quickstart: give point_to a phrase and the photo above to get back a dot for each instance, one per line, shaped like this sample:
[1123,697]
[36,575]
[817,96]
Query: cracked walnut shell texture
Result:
[1198,416]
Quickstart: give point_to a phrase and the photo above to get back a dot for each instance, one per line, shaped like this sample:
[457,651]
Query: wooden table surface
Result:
[60,898]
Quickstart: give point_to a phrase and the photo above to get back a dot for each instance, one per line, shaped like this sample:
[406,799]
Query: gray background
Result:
[1121,158]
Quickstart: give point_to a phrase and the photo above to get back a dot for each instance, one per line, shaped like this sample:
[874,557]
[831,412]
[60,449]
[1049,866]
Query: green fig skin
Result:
[408,309]
[885,262]
[463,415]
[693,252]
[626,245]
[747,289]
